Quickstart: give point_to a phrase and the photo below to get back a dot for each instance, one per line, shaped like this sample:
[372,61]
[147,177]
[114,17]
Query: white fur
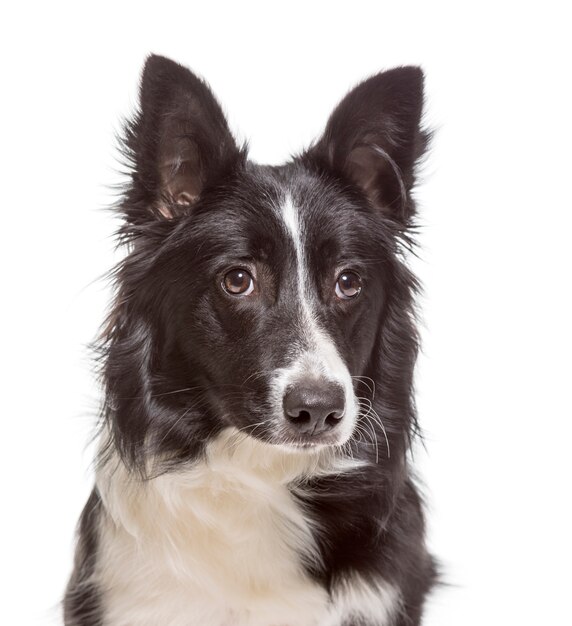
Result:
[321,358]
[219,544]
[378,602]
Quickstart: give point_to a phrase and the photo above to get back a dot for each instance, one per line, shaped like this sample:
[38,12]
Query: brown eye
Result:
[238,283]
[348,285]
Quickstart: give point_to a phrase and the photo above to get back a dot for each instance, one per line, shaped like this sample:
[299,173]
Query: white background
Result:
[494,379]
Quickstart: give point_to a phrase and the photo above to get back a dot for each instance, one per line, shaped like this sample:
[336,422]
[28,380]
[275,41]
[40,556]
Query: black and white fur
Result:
[213,505]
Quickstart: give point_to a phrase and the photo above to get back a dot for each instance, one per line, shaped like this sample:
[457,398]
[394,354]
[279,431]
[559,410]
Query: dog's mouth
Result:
[308,442]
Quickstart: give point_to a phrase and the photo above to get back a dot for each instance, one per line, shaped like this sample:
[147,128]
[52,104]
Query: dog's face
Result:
[257,293]
[273,303]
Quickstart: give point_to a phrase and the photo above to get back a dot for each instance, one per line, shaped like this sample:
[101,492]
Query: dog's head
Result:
[261,297]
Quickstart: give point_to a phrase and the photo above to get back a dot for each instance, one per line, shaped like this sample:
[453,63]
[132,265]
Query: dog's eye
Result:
[348,285]
[238,282]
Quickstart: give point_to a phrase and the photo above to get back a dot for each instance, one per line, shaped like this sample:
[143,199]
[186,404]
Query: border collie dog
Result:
[253,467]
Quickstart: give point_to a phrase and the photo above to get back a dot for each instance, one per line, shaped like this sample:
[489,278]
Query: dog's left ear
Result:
[373,139]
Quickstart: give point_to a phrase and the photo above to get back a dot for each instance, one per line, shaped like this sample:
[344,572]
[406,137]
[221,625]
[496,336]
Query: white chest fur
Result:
[220,544]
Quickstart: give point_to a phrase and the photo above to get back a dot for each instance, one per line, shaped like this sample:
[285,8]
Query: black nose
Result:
[313,408]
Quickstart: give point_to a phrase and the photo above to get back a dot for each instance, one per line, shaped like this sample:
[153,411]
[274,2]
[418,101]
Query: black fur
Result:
[176,345]
[82,602]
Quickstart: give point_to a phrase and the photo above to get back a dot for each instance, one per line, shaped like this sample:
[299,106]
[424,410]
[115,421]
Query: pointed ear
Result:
[179,143]
[373,139]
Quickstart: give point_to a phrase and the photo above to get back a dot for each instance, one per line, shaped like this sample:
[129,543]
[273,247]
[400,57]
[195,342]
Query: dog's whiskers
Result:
[242,434]
[254,376]
[198,402]
[361,379]
[370,416]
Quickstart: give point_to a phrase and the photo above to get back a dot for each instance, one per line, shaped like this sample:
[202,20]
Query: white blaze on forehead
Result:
[314,335]
[318,354]
[292,221]
[304,282]
[290,216]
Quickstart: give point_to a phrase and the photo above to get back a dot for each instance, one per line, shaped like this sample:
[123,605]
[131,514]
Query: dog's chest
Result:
[217,545]
[214,545]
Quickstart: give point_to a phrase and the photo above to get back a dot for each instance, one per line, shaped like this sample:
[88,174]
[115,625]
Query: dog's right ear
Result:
[178,144]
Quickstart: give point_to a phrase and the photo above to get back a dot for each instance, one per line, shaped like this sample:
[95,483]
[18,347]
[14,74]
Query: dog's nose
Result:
[313,408]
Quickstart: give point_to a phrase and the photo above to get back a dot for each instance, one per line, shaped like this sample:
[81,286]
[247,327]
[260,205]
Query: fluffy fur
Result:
[253,467]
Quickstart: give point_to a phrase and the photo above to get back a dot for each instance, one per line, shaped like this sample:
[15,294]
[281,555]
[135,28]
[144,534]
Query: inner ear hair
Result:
[181,177]
[367,165]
